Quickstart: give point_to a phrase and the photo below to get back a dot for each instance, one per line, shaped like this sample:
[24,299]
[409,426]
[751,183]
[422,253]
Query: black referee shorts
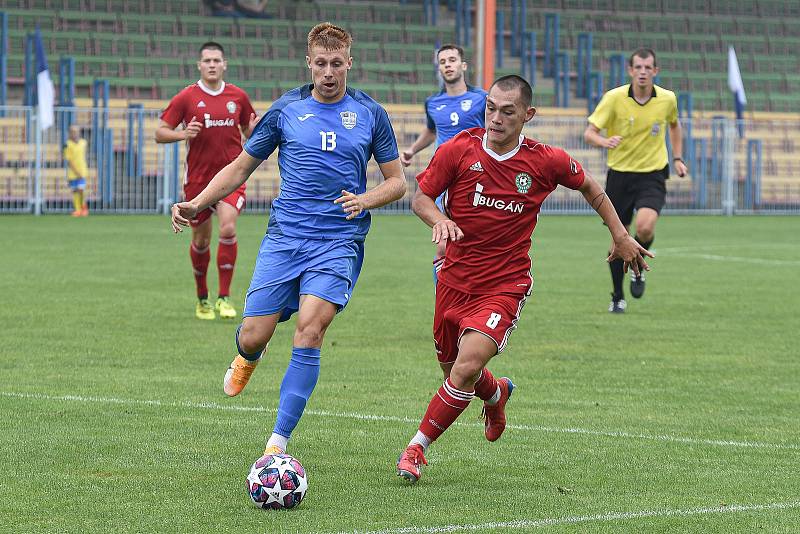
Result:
[630,191]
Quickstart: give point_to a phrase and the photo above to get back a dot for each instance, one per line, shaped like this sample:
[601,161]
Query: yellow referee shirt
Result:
[642,127]
[75,154]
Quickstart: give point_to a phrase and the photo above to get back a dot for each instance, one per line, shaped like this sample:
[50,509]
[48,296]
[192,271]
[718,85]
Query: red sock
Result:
[444,409]
[486,386]
[200,260]
[226,260]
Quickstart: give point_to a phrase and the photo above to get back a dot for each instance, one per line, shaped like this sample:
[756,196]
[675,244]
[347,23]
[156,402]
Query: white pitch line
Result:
[395,419]
[740,259]
[570,520]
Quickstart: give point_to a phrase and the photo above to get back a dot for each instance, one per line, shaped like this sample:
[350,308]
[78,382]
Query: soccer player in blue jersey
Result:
[456,107]
[310,259]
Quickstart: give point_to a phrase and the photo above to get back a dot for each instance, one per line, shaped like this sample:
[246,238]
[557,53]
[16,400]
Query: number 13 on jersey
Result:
[328,141]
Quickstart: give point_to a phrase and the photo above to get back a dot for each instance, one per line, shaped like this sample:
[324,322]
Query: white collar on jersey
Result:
[205,89]
[507,155]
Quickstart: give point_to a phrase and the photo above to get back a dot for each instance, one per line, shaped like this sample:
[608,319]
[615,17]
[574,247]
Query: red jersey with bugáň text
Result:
[495,200]
[222,114]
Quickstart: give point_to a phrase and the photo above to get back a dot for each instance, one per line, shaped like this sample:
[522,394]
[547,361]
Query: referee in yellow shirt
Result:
[77,170]
[636,117]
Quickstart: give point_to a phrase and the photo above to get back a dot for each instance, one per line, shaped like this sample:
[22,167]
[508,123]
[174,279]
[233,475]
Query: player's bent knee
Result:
[308,336]
[465,374]
[251,339]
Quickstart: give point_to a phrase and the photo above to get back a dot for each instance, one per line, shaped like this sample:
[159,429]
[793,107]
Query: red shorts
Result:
[235,199]
[493,315]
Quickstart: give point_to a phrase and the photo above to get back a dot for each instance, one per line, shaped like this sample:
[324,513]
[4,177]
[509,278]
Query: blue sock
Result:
[248,357]
[298,383]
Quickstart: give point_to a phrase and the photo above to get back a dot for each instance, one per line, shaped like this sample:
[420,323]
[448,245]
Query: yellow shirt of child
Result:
[643,127]
[75,154]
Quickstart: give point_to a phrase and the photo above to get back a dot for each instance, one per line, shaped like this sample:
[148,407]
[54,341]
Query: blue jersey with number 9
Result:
[448,115]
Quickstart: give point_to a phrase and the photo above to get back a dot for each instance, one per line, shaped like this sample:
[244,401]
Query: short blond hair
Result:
[329,37]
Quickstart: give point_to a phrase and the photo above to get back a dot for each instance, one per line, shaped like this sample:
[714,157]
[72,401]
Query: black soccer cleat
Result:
[637,285]
[617,305]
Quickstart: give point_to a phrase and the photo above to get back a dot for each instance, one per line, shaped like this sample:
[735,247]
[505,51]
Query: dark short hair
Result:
[512,81]
[642,53]
[211,45]
[450,46]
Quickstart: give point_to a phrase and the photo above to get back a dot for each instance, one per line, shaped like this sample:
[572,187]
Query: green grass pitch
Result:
[680,416]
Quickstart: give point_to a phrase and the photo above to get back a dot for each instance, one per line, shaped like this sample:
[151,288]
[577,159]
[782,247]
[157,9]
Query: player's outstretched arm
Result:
[423,141]
[223,184]
[624,246]
[426,209]
[392,188]
[168,134]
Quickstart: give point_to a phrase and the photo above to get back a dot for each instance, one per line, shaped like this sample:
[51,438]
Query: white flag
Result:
[735,77]
[44,86]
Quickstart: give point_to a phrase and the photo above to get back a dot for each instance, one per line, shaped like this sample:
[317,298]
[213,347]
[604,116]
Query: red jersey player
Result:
[214,114]
[495,181]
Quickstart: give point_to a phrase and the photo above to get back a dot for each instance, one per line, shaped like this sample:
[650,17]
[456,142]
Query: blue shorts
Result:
[288,267]
[77,183]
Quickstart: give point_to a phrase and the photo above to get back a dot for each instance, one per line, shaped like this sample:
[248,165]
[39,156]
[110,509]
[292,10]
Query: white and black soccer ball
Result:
[277,481]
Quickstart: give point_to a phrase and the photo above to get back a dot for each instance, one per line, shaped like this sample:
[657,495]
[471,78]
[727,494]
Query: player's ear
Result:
[530,113]
[308,61]
[349,63]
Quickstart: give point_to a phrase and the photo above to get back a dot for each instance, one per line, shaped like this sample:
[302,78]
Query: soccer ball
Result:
[277,481]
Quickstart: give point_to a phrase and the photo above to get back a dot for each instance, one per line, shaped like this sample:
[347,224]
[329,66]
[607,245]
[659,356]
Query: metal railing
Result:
[130,173]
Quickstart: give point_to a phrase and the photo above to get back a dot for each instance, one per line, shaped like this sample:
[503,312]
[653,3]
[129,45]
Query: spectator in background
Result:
[238,8]
[77,170]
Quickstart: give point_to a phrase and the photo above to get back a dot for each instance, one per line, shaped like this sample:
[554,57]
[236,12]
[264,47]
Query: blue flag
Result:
[44,86]
[737,87]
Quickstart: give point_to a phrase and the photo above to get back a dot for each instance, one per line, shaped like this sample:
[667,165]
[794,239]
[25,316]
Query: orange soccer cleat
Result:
[238,374]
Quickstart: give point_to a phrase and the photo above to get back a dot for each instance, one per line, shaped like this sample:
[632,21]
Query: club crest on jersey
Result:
[349,119]
[231,105]
[524,182]
[466,105]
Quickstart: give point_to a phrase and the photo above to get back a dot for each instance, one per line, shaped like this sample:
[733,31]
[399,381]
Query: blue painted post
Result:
[140,141]
[515,44]
[499,40]
[460,22]
[532,58]
[66,94]
[563,70]
[108,173]
[519,25]
[3,60]
[467,22]
[584,64]
[551,38]
[616,70]
[752,185]
[175,166]
[717,137]
[595,91]
[700,172]
[523,58]
[685,110]
[131,148]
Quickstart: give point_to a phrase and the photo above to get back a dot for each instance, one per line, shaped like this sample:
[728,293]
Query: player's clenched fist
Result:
[182,213]
[193,128]
[446,230]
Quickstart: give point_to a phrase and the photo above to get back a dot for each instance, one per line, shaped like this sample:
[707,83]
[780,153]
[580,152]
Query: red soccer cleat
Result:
[494,415]
[409,465]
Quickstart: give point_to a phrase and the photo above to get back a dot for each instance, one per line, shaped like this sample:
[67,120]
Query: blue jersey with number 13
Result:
[323,149]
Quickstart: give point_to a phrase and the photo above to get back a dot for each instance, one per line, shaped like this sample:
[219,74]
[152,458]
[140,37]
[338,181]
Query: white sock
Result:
[420,439]
[495,397]
[278,440]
